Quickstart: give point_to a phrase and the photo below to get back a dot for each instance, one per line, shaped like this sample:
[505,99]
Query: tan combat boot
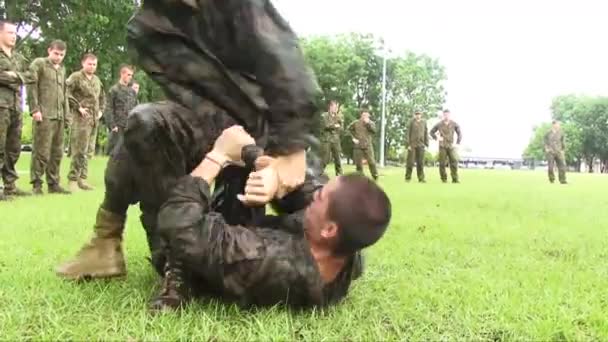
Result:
[73,186]
[84,185]
[101,257]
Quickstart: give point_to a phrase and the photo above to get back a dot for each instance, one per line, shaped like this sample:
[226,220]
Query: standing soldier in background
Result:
[417,140]
[554,148]
[447,151]
[332,125]
[121,99]
[49,107]
[87,99]
[13,74]
[362,131]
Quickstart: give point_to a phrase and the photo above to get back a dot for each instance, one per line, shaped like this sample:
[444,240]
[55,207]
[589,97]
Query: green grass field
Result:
[503,256]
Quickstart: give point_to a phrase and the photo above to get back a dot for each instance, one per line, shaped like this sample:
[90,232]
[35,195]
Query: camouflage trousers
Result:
[368,154]
[47,151]
[415,154]
[11,122]
[448,156]
[332,149]
[559,159]
[83,138]
[113,138]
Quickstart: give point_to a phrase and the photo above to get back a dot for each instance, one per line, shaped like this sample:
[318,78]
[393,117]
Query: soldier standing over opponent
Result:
[447,151]
[87,101]
[332,125]
[13,74]
[554,148]
[362,132]
[49,106]
[417,140]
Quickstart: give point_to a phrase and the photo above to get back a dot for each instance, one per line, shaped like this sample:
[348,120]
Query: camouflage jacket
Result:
[446,130]
[120,100]
[362,132]
[417,134]
[10,86]
[554,141]
[264,264]
[48,93]
[85,93]
[256,72]
[329,122]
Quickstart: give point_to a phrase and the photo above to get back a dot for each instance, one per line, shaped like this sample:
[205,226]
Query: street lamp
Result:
[383,120]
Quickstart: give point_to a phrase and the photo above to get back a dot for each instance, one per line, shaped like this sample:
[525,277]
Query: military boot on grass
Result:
[102,257]
[73,186]
[37,189]
[12,190]
[57,189]
[174,293]
[82,184]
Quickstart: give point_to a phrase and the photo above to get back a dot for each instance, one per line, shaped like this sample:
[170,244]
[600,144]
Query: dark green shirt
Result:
[329,123]
[447,130]
[417,133]
[554,141]
[10,86]
[120,100]
[48,93]
[86,93]
[363,132]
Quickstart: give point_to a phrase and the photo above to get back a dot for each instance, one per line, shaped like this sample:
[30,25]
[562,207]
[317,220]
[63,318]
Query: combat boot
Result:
[12,190]
[57,189]
[37,189]
[174,293]
[102,257]
[73,186]
[82,184]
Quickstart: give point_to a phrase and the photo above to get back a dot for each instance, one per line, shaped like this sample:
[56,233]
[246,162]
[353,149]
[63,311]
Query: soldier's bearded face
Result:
[8,35]
[89,66]
[56,56]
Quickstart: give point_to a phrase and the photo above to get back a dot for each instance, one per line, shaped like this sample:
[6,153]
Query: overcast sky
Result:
[505,60]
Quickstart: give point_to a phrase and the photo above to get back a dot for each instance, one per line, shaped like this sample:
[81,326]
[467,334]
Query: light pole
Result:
[383,120]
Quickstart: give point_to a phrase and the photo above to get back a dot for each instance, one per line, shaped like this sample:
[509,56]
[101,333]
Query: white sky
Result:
[505,60]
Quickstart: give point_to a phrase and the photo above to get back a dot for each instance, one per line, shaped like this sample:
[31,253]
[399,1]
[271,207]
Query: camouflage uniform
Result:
[85,93]
[48,96]
[332,125]
[11,119]
[121,100]
[364,148]
[417,140]
[218,68]
[554,148]
[262,263]
[447,152]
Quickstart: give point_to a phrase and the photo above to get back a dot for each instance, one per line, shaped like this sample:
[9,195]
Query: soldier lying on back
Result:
[306,258]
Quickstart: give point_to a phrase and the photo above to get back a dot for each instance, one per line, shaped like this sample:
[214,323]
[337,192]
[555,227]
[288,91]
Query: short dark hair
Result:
[125,66]
[362,211]
[446,110]
[58,44]
[4,22]
[88,55]
[555,121]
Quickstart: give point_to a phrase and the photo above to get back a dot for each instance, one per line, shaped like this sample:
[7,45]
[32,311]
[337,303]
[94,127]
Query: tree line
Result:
[348,66]
[585,125]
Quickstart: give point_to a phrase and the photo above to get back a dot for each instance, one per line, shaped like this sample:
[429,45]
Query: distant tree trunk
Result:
[578,165]
[590,164]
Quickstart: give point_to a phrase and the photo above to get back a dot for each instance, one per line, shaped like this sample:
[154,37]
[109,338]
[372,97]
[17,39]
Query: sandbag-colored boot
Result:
[73,186]
[102,257]
[82,184]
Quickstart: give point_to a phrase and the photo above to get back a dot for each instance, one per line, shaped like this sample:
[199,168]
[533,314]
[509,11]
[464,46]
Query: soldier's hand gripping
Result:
[229,145]
[37,116]
[84,112]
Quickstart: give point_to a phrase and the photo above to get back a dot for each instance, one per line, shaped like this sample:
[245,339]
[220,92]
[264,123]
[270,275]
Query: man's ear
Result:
[330,231]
